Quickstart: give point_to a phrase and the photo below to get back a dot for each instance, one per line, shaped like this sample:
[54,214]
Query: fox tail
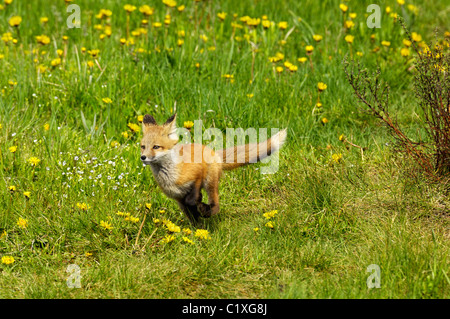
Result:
[234,157]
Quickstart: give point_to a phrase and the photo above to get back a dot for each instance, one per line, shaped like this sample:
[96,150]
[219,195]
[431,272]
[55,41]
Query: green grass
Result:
[334,219]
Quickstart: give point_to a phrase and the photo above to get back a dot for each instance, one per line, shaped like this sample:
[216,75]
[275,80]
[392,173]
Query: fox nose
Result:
[143,157]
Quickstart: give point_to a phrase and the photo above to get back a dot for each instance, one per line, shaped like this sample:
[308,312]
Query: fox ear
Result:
[149,120]
[172,127]
[171,119]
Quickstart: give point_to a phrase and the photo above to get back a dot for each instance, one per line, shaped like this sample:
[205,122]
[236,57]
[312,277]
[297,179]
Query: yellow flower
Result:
[321,86]
[157,24]
[302,59]
[13,149]
[115,144]
[269,224]
[83,206]
[318,105]
[107,100]
[94,53]
[349,24]
[385,43]
[324,120]
[22,223]
[129,8]
[222,15]
[336,157]
[134,127]
[162,211]
[349,38]
[317,37]
[401,2]
[343,7]
[341,137]
[15,21]
[181,8]
[352,15]
[180,42]
[416,37]
[7,260]
[187,231]
[404,52]
[187,240]
[55,62]
[170,3]
[202,234]
[188,124]
[283,25]
[270,214]
[87,254]
[266,24]
[406,42]
[309,48]
[279,69]
[156,220]
[131,219]
[43,39]
[34,161]
[12,189]
[168,239]
[146,10]
[256,229]
[253,22]
[106,225]
[172,227]
[27,194]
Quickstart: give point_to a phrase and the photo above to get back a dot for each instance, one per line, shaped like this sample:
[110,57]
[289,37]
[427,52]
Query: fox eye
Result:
[156,147]
[142,147]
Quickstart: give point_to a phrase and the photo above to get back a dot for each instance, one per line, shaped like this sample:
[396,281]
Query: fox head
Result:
[158,140]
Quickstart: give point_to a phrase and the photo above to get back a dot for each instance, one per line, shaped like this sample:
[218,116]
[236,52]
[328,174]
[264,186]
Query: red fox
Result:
[182,179]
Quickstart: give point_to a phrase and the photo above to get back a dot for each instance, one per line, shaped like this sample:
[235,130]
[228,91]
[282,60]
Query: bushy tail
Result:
[237,156]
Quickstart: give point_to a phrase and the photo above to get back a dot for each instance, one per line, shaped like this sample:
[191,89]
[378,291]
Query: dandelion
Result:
[324,120]
[283,25]
[266,24]
[15,21]
[309,49]
[349,24]
[129,8]
[279,69]
[202,234]
[321,86]
[168,239]
[27,195]
[83,206]
[302,59]
[188,124]
[187,231]
[256,229]
[171,227]
[134,127]
[222,15]
[416,37]
[341,137]
[43,39]
[404,52]
[336,157]
[22,223]
[343,8]
[187,240]
[12,149]
[146,10]
[107,100]
[317,37]
[132,219]
[270,224]
[156,220]
[270,214]
[115,144]
[55,62]
[94,53]
[170,3]
[385,43]
[407,43]
[106,225]
[12,189]
[7,260]
[34,161]
[349,38]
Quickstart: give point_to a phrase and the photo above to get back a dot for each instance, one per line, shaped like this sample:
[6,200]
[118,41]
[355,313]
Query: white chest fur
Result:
[166,174]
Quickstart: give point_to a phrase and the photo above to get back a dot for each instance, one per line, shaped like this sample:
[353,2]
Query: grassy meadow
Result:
[73,189]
